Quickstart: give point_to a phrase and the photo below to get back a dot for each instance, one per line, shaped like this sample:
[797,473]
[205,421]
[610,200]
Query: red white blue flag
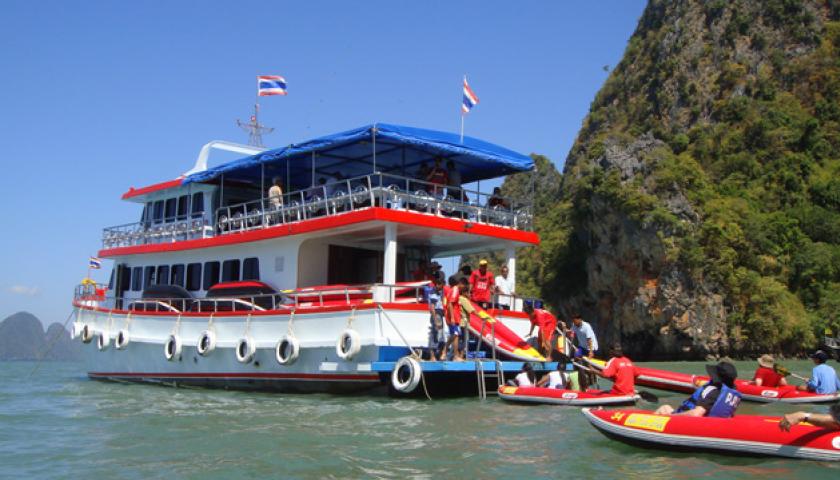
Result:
[470,99]
[95,263]
[271,85]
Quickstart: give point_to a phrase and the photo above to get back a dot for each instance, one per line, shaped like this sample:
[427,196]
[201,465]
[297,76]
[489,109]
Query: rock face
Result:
[23,338]
[696,202]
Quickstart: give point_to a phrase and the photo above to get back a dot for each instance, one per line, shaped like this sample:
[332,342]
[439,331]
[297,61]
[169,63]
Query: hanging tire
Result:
[348,345]
[86,333]
[172,348]
[122,339]
[76,331]
[406,375]
[206,343]
[287,350]
[103,340]
[245,350]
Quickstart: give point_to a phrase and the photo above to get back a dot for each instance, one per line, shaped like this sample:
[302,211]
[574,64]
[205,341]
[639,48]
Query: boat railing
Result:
[380,190]
[146,232]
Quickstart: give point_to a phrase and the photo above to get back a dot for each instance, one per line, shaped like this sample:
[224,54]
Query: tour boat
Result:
[742,435]
[219,284]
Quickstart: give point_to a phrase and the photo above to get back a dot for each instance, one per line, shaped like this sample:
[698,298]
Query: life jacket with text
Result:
[724,407]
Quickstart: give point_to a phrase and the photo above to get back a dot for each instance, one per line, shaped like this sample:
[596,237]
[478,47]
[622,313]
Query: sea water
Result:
[55,423]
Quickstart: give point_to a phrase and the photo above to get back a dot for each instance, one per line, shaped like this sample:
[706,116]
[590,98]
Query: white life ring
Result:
[76,331]
[103,340]
[122,339]
[406,375]
[206,343]
[245,350]
[172,348]
[287,350]
[348,345]
[86,333]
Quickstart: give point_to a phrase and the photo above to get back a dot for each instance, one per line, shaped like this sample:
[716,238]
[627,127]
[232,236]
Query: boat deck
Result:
[466,366]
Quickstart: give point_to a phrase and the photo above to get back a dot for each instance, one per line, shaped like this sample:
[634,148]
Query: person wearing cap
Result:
[545,323]
[584,336]
[765,375]
[823,378]
[481,285]
[830,421]
[621,371]
[717,398]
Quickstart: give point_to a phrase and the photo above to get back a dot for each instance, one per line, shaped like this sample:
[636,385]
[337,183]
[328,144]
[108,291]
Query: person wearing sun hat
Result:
[823,378]
[765,375]
[717,398]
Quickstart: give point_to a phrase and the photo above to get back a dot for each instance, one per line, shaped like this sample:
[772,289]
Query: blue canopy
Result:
[399,151]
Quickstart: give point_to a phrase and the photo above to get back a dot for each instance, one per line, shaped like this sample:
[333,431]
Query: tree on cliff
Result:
[700,204]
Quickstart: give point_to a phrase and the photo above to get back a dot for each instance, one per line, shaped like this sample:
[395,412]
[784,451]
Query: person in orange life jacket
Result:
[481,285]
[622,372]
[717,398]
[545,322]
[452,313]
[829,421]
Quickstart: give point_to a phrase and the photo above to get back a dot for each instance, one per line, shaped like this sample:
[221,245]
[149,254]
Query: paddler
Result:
[621,371]
[830,421]
[765,375]
[717,398]
[823,378]
[545,323]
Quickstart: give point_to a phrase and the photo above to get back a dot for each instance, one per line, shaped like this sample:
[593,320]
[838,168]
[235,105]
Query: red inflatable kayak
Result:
[507,343]
[559,396]
[742,434]
[687,383]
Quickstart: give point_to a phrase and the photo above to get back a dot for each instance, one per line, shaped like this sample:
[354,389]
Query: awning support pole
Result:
[510,253]
[389,273]
[313,168]
[373,136]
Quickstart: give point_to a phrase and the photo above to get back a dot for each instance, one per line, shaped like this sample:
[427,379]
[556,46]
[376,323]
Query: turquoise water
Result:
[58,424]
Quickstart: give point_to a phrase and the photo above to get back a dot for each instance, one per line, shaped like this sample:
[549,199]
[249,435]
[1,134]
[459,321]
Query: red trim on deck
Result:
[302,310]
[277,376]
[328,223]
[136,192]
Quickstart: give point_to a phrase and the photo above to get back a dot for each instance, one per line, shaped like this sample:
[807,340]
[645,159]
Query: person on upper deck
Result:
[823,378]
[454,182]
[438,176]
[275,193]
[765,375]
[481,284]
[717,398]
[497,200]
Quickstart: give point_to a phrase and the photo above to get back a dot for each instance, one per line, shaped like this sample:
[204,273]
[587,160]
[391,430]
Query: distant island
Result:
[22,337]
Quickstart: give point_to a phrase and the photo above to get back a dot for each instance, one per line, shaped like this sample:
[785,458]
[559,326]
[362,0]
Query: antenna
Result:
[254,128]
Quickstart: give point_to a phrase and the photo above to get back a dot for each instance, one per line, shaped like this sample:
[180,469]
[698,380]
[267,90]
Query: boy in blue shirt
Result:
[823,378]
[437,329]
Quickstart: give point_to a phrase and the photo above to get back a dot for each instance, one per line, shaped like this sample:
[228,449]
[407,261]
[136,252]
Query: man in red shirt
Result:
[765,374]
[481,285]
[622,372]
[545,322]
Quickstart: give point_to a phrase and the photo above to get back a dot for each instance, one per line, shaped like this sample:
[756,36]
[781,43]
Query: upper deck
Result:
[375,174]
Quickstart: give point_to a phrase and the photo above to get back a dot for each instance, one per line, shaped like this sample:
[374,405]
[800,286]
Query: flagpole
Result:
[462,127]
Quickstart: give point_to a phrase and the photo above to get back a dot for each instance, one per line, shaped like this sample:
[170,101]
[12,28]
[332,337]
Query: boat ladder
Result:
[481,375]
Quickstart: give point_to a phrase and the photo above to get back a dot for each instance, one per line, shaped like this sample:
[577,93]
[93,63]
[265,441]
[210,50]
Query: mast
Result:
[254,128]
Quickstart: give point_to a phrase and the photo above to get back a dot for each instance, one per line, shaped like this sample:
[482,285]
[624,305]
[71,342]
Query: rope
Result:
[290,331]
[353,317]
[52,344]
[248,326]
[177,327]
[127,320]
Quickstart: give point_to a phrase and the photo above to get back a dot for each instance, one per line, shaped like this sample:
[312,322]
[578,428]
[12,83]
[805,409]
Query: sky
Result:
[97,97]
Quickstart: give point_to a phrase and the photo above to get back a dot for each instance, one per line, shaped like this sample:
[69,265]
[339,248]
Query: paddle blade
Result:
[648,397]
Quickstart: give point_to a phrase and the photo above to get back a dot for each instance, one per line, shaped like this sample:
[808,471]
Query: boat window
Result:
[211,274]
[251,269]
[137,279]
[183,206]
[197,204]
[123,280]
[194,277]
[148,277]
[144,217]
[162,274]
[177,275]
[171,204]
[111,280]
[230,271]
[158,212]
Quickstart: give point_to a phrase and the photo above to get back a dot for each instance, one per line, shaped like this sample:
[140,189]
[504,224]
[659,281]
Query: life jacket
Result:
[724,407]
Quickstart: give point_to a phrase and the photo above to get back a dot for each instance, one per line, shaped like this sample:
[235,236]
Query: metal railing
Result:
[146,232]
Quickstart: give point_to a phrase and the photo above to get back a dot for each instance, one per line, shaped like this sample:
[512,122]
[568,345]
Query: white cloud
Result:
[24,290]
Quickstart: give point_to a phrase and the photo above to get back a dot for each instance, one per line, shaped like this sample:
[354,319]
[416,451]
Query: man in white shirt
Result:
[584,336]
[504,289]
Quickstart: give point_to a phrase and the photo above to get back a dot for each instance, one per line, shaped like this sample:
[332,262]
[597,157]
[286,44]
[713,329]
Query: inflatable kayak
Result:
[687,383]
[559,396]
[507,342]
[742,434]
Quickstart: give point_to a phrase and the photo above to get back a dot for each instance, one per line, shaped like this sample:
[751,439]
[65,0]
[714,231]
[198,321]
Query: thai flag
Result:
[470,100]
[270,85]
[95,263]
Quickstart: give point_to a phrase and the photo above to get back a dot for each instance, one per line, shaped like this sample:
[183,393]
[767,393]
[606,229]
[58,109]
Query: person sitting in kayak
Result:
[766,375]
[525,377]
[830,421]
[823,378]
[561,378]
[545,323]
[717,398]
[622,372]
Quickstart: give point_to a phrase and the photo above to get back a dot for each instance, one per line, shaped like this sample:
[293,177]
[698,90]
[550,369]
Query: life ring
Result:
[103,340]
[348,345]
[172,348]
[86,333]
[287,350]
[406,375]
[245,350]
[122,339]
[206,343]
